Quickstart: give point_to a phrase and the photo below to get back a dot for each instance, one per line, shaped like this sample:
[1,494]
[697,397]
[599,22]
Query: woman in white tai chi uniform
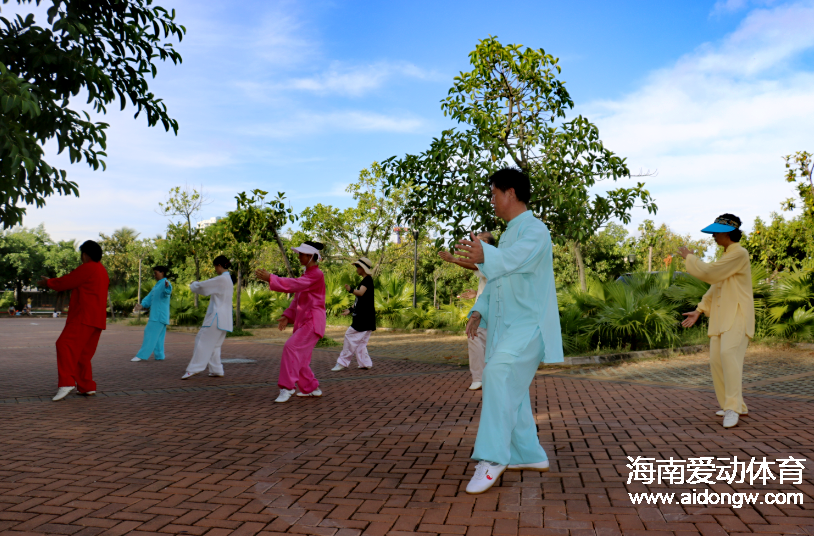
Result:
[216,324]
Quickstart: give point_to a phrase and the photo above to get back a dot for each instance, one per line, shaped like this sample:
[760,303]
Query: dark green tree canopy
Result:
[105,49]
[512,110]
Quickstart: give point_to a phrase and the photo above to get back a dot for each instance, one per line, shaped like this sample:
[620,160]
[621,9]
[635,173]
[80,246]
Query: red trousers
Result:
[75,349]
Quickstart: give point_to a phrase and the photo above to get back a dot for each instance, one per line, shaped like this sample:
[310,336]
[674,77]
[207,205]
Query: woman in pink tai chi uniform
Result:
[307,312]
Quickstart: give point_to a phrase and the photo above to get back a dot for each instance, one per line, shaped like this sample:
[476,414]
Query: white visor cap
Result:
[308,250]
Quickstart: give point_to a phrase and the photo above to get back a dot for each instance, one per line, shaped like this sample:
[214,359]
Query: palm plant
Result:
[456,315]
[635,313]
[259,304]
[790,306]
[124,298]
[395,295]
[182,307]
[337,299]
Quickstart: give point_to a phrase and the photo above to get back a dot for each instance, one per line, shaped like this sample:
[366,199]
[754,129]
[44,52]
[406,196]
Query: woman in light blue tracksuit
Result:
[158,302]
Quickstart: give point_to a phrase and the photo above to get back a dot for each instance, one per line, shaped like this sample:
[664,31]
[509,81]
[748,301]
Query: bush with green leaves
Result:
[790,306]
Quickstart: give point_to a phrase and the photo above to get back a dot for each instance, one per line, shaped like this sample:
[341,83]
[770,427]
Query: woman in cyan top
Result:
[158,302]
[307,312]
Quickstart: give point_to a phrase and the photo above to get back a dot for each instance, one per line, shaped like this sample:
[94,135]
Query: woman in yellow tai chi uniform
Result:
[730,306]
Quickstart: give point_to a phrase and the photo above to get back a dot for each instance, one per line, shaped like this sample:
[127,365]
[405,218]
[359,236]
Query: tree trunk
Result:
[110,302]
[18,294]
[576,249]
[435,292]
[238,323]
[282,250]
[650,259]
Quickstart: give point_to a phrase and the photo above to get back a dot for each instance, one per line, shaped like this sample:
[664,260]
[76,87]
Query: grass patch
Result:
[241,333]
[137,322]
[325,342]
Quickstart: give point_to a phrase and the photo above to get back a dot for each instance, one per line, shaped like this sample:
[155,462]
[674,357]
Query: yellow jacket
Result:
[731,280]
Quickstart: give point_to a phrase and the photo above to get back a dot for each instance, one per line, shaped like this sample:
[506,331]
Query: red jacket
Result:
[88,283]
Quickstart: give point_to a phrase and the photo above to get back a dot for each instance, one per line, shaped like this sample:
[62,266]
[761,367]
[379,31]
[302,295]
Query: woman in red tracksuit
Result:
[87,317]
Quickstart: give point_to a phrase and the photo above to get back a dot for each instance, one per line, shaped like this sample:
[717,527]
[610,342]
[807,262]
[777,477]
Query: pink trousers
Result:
[295,367]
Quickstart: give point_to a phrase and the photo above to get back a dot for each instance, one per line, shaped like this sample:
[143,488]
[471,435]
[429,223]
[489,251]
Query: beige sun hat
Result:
[365,264]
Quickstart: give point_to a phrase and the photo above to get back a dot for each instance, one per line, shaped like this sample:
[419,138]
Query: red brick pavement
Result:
[382,454]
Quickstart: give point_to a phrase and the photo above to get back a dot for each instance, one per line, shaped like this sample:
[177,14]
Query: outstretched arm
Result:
[715,272]
[290,285]
[69,281]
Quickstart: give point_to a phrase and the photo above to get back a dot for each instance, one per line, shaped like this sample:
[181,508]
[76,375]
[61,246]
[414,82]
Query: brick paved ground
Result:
[384,451]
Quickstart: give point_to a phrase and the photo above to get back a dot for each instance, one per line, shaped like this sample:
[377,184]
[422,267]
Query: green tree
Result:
[106,50]
[665,244]
[184,238]
[249,228]
[514,107]
[366,228]
[61,258]
[22,256]
[799,167]
[781,245]
[121,253]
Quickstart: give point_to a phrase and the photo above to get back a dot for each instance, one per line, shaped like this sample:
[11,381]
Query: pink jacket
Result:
[308,305]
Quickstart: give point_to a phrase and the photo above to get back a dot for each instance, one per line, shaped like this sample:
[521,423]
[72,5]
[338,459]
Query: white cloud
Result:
[717,123]
[332,122]
[356,80]
[731,6]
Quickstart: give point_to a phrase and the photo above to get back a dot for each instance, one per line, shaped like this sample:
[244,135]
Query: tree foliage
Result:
[105,49]
[358,231]
[512,109]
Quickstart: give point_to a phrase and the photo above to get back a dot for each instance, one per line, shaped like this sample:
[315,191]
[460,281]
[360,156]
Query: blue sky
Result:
[298,97]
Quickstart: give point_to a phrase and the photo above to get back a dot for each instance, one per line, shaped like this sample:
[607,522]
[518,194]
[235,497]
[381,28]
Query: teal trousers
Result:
[153,341]
[507,433]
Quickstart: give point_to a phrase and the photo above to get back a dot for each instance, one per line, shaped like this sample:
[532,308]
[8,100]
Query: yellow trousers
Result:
[726,353]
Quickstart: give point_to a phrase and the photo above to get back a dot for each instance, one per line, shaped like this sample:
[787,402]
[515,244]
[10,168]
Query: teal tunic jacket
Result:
[520,296]
[158,302]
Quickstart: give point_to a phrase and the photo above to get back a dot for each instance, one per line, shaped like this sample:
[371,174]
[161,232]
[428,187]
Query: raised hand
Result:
[346,312]
[684,251]
[471,250]
[262,275]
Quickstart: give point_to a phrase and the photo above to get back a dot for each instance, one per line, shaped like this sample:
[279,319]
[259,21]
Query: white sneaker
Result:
[285,395]
[315,392]
[338,367]
[730,418]
[137,359]
[538,466]
[365,368]
[62,392]
[188,375]
[721,413]
[475,386]
[87,393]
[485,477]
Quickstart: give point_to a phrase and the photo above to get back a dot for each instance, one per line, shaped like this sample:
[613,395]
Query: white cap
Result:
[308,250]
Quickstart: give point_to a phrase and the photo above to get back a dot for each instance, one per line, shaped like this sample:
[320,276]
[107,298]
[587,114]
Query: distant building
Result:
[203,224]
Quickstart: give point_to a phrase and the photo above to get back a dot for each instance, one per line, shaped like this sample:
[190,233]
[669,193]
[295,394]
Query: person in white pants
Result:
[217,322]
[476,345]
[364,320]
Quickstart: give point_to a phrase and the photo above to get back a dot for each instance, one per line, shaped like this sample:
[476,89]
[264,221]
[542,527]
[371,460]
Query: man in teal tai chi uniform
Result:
[519,305]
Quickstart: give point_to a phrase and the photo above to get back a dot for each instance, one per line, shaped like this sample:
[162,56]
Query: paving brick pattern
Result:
[384,451]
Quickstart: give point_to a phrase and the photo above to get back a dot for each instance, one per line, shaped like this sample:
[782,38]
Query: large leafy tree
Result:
[253,225]
[364,229]
[104,49]
[182,206]
[799,171]
[512,109]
